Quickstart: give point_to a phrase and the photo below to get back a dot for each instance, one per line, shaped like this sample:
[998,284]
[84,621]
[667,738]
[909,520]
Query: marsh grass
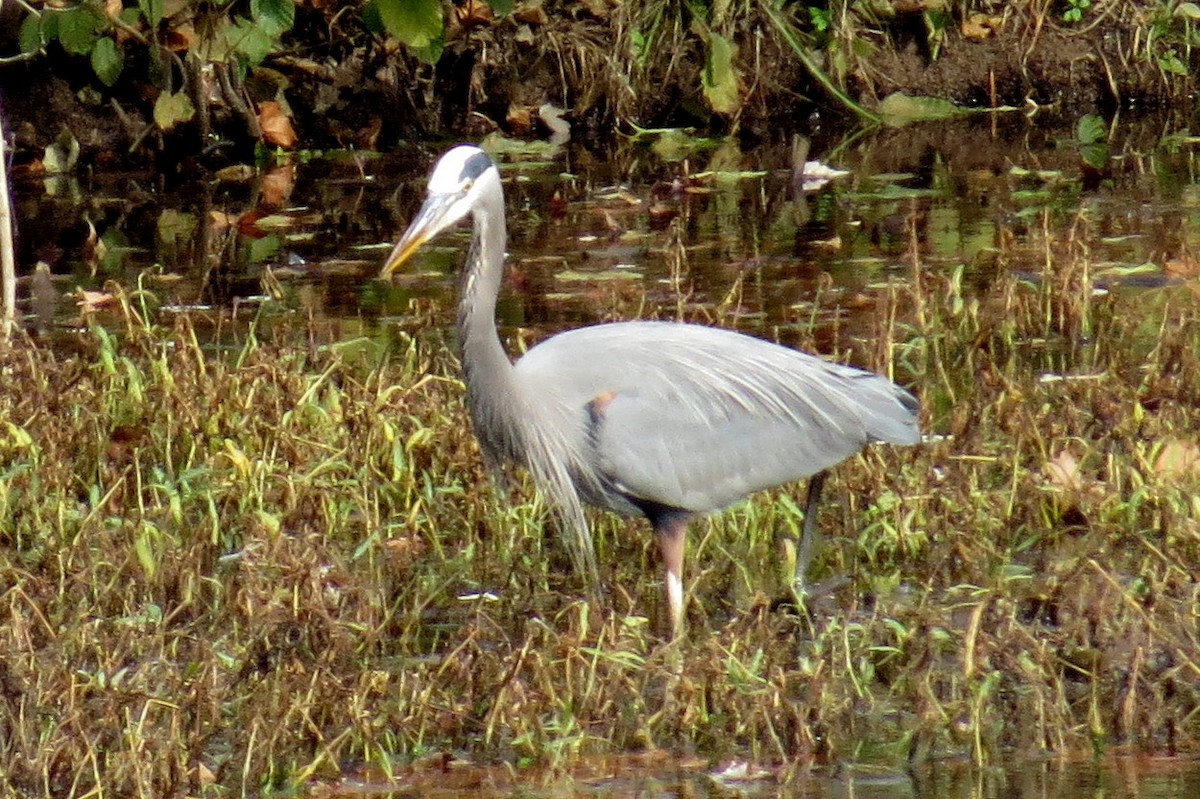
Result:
[234,559]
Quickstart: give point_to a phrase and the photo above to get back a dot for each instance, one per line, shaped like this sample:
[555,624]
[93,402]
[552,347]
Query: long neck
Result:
[493,398]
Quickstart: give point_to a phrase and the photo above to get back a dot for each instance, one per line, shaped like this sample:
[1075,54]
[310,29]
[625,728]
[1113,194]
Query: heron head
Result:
[461,176]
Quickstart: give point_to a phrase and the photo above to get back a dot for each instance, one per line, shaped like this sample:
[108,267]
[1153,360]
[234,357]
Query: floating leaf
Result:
[899,109]
[719,80]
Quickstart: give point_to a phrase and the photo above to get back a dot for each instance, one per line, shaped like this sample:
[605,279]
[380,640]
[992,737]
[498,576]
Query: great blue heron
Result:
[662,419]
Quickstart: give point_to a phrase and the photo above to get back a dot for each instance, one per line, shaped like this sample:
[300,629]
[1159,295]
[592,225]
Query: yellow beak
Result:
[429,221]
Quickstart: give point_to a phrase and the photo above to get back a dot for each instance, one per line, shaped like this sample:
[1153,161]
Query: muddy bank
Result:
[611,66]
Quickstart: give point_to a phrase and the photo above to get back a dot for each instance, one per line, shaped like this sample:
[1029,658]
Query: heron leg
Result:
[671,531]
[808,532]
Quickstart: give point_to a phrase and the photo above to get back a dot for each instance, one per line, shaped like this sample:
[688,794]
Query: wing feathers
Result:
[696,417]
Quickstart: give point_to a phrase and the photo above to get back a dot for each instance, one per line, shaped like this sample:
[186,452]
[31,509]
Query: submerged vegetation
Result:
[238,558]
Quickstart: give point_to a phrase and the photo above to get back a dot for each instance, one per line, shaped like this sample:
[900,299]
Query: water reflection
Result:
[720,235]
[1135,777]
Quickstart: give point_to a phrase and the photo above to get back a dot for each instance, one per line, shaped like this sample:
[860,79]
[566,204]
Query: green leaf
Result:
[242,37]
[416,23]
[1090,129]
[1187,11]
[638,46]
[31,38]
[175,227]
[273,16]
[171,109]
[107,61]
[146,546]
[1170,63]
[502,7]
[79,28]
[152,10]
[719,80]
[899,109]
[1094,155]
[262,250]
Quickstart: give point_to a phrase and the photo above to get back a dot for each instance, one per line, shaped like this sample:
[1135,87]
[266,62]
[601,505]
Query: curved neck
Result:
[492,396]
[481,285]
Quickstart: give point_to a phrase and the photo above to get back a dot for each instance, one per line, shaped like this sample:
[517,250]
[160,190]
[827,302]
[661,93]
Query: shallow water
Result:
[719,236]
[649,775]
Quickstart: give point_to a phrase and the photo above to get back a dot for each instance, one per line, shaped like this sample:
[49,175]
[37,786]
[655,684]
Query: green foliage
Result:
[1091,135]
[171,109]
[152,11]
[1090,129]
[1076,10]
[900,109]
[720,80]
[1170,63]
[418,24]
[247,41]
[86,30]
[107,61]
[79,28]
[821,19]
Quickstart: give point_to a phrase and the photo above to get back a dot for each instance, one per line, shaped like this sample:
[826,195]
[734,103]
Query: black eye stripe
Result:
[475,166]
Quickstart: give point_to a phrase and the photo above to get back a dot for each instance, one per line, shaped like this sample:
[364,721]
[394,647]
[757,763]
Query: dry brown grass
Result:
[223,570]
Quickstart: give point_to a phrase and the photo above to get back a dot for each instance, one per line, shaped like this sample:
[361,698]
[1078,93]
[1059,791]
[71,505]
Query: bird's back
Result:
[694,417]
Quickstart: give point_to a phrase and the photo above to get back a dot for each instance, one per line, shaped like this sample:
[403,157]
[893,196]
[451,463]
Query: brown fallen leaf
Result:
[276,125]
[92,301]
[978,27]
[474,14]
[531,13]
[519,119]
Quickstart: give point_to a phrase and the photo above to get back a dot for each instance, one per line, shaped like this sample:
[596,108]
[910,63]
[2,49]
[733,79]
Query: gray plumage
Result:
[661,419]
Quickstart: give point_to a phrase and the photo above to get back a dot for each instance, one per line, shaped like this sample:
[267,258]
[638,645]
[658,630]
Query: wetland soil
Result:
[357,90]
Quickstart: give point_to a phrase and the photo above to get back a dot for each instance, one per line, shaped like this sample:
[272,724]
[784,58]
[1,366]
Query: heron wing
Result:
[695,417]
